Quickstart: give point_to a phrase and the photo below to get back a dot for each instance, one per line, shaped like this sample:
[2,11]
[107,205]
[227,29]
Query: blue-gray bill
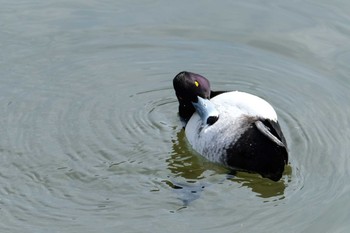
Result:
[206,110]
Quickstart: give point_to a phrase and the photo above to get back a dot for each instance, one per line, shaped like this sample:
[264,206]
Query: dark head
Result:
[188,87]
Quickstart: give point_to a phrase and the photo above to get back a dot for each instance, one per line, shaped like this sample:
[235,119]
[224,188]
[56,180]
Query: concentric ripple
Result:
[86,139]
[78,149]
[90,136]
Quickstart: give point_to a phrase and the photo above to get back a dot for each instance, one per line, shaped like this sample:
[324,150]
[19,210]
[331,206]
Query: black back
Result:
[254,151]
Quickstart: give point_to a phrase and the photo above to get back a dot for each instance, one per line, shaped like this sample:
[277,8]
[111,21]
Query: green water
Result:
[91,141]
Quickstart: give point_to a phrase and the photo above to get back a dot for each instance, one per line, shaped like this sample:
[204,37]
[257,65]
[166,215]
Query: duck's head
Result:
[193,93]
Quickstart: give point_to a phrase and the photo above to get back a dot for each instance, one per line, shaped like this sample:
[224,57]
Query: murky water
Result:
[91,141]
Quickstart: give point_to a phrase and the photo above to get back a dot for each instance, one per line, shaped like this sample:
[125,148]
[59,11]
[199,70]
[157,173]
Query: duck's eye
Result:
[196,83]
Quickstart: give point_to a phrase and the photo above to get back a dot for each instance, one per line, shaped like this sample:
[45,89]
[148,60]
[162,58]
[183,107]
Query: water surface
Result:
[90,137]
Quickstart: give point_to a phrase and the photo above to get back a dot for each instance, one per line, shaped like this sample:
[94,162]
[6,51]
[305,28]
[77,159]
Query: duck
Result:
[236,129]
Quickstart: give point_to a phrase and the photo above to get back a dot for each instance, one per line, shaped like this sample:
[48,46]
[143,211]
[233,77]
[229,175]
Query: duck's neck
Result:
[186,110]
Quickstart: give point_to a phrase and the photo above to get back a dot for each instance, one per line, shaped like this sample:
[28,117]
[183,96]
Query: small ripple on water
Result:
[81,148]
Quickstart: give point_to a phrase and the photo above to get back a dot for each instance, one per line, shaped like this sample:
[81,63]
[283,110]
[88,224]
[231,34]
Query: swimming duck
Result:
[236,129]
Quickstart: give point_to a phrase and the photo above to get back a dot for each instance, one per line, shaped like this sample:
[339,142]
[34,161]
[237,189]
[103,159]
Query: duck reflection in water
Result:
[191,175]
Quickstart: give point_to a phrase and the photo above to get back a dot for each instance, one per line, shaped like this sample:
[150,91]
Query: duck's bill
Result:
[206,110]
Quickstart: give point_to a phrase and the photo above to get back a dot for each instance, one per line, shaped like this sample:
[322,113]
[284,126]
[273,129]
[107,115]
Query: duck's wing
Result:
[268,133]
[272,130]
